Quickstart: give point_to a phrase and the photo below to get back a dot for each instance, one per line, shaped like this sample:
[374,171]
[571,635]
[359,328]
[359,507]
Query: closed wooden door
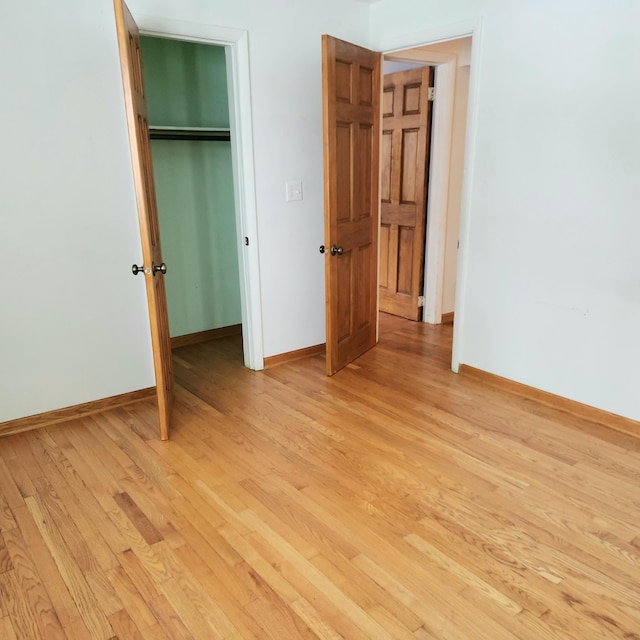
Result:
[403,189]
[351,118]
[130,61]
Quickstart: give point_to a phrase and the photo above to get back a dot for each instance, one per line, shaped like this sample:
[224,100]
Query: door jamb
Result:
[403,43]
[236,44]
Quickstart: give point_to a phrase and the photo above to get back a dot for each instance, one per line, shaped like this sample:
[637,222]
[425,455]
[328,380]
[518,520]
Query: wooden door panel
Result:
[366,285]
[131,66]
[412,99]
[343,81]
[392,251]
[351,127]
[409,187]
[344,272]
[365,146]
[353,272]
[386,158]
[366,85]
[403,216]
[344,143]
[404,177]
[384,256]
[406,236]
[387,102]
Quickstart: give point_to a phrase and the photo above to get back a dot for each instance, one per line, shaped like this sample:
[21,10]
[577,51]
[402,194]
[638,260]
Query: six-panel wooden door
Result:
[131,65]
[351,119]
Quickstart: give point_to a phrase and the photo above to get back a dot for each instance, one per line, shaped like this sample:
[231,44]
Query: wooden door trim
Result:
[49,418]
[236,43]
[205,336]
[293,356]
[573,407]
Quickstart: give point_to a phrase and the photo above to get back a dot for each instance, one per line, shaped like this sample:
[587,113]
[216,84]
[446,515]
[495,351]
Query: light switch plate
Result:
[293,190]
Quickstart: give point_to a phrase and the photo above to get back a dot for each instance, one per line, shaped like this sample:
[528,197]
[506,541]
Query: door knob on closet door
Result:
[135,269]
[335,251]
[159,268]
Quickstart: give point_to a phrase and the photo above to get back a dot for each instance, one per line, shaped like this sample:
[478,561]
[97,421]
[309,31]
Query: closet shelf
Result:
[189,133]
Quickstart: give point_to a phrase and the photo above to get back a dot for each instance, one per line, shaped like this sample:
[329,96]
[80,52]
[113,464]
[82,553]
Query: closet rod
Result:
[177,133]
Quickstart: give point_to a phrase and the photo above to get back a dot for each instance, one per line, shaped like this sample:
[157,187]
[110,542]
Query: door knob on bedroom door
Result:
[159,268]
[135,269]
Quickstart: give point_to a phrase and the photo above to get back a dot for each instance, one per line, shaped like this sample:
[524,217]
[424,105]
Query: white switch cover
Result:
[293,190]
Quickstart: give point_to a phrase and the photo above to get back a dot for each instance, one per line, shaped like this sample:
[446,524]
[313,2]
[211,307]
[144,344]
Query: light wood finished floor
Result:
[394,500]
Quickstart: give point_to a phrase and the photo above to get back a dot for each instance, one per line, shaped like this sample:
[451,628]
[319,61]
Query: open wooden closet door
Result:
[351,128]
[153,268]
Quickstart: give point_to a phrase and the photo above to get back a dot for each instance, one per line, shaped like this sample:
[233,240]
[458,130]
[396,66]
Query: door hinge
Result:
[421,301]
[431,94]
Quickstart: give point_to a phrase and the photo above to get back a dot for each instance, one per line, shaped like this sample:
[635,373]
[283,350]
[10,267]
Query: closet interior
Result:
[188,114]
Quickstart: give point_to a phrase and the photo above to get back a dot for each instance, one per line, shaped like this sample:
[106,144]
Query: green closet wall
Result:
[186,86]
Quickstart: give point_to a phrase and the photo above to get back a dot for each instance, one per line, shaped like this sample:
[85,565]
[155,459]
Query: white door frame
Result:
[236,44]
[397,48]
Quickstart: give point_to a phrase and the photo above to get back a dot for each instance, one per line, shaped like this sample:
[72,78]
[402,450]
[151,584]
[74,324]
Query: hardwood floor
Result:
[393,500]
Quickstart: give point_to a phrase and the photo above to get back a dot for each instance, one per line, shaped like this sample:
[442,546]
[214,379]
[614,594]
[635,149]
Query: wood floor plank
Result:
[145,581]
[392,500]
[15,481]
[7,520]
[6,629]
[154,504]
[202,606]
[5,559]
[169,620]
[32,588]
[149,533]
[134,604]
[309,575]
[91,533]
[87,603]
[124,626]
[202,556]
[367,592]
[23,616]
[49,575]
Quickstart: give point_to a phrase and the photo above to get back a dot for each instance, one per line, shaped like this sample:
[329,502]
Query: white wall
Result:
[286,83]
[73,320]
[552,289]
[551,292]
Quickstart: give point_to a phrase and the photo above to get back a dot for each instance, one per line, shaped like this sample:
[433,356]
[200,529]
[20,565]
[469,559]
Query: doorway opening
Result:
[352,134]
[407,91]
[400,47]
[188,115]
[241,231]
[451,61]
